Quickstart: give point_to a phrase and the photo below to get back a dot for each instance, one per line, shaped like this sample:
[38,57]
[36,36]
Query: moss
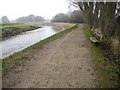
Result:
[8,68]
[106,70]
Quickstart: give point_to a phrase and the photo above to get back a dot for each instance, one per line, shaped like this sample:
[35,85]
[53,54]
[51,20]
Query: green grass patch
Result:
[11,62]
[105,69]
[63,23]
[17,25]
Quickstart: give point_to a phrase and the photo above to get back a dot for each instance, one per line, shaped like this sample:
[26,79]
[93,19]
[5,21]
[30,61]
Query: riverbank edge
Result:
[16,29]
[105,69]
[6,68]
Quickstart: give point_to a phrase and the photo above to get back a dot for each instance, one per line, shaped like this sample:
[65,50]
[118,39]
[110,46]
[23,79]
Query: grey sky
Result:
[46,8]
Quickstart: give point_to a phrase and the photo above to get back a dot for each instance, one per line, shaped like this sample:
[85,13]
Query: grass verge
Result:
[12,62]
[106,70]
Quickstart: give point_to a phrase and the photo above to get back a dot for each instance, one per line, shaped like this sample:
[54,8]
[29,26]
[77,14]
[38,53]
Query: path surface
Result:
[62,63]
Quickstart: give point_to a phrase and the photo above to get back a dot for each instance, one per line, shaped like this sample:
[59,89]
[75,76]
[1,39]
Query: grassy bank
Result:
[11,29]
[106,70]
[15,60]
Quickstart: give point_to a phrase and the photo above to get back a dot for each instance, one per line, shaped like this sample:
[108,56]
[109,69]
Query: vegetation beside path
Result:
[107,75]
[106,70]
[15,60]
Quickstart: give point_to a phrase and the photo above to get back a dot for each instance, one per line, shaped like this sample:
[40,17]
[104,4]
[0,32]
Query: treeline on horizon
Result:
[75,17]
[24,19]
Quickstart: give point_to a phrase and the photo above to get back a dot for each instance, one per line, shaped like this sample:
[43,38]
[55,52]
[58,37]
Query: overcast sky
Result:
[46,8]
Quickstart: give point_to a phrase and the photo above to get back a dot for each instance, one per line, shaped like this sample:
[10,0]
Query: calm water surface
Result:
[19,42]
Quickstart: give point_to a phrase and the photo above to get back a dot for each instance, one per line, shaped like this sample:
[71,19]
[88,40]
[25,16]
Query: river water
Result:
[19,42]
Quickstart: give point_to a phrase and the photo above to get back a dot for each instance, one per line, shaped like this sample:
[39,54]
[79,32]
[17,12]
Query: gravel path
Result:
[62,63]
